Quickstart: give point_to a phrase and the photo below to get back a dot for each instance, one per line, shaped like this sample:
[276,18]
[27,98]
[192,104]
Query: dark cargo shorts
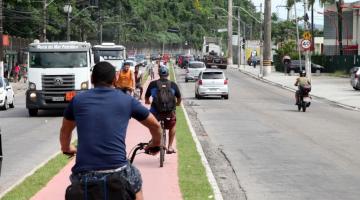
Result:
[169,119]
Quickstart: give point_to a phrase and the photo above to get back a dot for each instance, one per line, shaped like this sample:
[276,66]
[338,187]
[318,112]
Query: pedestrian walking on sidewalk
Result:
[16,72]
[101,116]
[173,99]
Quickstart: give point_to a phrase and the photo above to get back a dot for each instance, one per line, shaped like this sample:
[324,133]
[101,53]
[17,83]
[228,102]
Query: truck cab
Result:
[57,71]
[110,52]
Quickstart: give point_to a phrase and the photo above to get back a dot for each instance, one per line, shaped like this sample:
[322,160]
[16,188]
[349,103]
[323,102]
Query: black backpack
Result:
[165,101]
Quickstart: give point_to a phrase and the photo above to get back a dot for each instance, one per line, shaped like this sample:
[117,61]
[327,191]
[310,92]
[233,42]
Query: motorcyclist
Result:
[301,82]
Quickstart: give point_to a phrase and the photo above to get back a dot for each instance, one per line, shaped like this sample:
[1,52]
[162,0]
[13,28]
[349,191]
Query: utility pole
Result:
[43,37]
[261,73]
[239,42]
[1,42]
[230,32]
[297,36]
[100,26]
[267,39]
[307,53]
[68,23]
[339,9]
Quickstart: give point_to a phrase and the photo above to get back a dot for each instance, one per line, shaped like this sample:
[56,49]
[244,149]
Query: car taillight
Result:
[200,82]
[225,82]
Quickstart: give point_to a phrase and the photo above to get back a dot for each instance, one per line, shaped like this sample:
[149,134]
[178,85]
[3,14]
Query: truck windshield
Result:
[111,54]
[58,59]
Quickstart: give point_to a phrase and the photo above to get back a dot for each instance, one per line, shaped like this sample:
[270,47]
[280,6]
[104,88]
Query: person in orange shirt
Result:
[126,79]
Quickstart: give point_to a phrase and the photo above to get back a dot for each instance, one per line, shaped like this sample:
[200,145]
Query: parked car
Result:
[7,96]
[294,67]
[140,58]
[355,78]
[154,56]
[212,82]
[193,70]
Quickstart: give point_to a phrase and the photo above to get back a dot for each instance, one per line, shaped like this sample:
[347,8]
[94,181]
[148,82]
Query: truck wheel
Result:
[33,112]
[222,67]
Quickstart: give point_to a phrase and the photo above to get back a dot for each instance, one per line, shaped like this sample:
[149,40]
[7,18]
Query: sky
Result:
[282,12]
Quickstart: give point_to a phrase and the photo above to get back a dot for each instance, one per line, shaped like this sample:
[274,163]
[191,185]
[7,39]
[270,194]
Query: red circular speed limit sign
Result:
[305,44]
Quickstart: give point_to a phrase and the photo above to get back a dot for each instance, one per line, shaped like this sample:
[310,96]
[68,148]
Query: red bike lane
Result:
[158,183]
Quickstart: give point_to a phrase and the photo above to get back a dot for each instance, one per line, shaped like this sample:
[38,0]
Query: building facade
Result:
[350,29]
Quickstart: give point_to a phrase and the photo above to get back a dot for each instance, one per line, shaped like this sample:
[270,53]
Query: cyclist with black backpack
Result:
[165,97]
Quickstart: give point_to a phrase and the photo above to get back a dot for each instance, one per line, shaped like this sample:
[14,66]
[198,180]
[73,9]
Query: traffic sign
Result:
[305,44]
[307,35]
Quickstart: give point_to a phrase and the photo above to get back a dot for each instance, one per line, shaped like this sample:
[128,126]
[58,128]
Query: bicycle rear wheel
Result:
[163,145]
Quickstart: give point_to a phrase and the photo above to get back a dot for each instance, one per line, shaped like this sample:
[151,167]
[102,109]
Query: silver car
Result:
[212,82]
[193,70]
[355,78]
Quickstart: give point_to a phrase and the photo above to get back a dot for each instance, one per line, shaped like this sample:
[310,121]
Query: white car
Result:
[6,94]
[212,82]
[355,78]
[193,70]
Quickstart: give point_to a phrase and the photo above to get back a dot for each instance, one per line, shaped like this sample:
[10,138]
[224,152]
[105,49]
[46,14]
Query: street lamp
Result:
[68,10]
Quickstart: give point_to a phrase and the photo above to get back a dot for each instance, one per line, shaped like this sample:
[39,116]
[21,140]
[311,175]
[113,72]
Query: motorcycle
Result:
[304,98]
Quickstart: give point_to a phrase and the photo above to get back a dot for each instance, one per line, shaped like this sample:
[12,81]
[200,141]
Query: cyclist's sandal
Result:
[170,151]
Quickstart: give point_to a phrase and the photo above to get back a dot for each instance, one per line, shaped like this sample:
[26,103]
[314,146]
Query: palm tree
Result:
[289,5]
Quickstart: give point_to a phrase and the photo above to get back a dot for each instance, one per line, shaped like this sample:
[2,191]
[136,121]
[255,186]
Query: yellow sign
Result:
[307,35]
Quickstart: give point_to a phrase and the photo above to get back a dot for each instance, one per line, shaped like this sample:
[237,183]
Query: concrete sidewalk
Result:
[334,89]
[158,183]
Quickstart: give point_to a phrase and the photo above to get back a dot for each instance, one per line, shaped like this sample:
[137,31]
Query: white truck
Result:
[110,52]
[56,72]
[212,55]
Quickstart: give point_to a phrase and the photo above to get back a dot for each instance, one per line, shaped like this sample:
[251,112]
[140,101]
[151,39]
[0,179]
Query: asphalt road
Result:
[27,142]
[273,151]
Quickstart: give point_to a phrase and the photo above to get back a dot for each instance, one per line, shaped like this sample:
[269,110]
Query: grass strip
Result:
[34,183]
[194,183]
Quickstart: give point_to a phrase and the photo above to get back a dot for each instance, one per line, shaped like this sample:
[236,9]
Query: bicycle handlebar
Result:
[148,150]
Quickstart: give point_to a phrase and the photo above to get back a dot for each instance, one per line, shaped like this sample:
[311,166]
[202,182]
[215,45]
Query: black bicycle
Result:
[163,143]
[143,146]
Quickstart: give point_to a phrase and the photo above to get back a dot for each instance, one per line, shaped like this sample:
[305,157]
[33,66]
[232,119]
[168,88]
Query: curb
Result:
[353,108]
[29,174]
[209,173]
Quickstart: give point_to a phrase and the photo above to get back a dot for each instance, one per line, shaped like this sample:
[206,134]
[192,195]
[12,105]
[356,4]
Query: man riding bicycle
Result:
[126,79]
[138,79]
[168,117]
[101,116]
